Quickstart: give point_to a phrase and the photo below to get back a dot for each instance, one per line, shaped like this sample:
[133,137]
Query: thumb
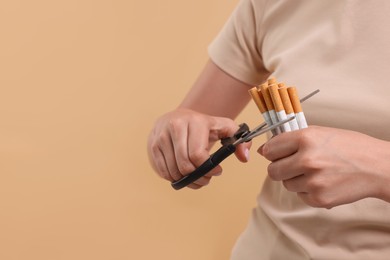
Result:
[222,127]
[226,127]
[242,151]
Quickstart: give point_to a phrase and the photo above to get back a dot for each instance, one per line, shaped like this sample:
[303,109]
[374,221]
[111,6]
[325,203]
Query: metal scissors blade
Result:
[259,130]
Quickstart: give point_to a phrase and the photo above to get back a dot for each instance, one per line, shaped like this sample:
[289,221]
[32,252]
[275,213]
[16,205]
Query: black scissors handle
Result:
[215,159]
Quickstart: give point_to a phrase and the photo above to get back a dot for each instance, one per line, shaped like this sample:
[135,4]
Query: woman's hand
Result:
[327,167]
[181,140]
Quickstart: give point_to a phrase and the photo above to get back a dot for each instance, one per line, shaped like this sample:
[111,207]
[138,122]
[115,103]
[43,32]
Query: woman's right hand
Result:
[181,140]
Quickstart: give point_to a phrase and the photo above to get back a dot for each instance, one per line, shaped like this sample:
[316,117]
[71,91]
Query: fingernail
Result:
[218,174]
[246,153]
[260,150]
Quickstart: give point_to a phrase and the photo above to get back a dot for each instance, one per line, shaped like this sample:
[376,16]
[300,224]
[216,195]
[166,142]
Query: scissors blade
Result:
[259,131]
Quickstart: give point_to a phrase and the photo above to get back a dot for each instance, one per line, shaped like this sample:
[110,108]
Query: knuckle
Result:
[154,147]
[165,175]
[315,185]
[319,201]
[175,176]
[286,185]
[272,172]
[198,118]
[308,162]
[161,138]
[185,167]
[196,157]
[307,137]
[174,125]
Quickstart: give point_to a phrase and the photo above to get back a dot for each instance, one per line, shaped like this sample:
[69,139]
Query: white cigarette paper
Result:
[279,108]
[302,123]
[288,106]
[270,107]
[292,92]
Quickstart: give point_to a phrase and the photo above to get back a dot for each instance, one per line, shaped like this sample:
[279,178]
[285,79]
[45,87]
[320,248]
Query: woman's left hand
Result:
[328,167]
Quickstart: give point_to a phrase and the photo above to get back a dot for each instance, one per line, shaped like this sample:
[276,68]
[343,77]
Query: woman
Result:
[326,195]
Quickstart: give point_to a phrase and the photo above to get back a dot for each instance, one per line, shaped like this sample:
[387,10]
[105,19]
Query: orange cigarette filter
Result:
[271,81]
[276,99]
[258,99]
[267,97]
[285,99]
[293,94]
[263,104]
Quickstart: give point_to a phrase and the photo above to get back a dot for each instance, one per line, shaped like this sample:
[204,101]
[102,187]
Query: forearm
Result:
[217,93]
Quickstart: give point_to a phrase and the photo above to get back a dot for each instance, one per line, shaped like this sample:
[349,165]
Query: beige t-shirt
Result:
[341,47]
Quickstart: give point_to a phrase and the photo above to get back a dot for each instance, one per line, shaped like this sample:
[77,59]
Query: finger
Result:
[160,163]
[179,134]
[203,181]
[285,168]
[242,151]
[315,200]
[221,127]
[167,150]
[296,184]
[156,155]
[194,186]
[202,132]
[280,146]
[217,171]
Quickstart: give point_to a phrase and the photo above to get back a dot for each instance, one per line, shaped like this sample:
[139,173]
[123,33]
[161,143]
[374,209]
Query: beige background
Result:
[81,83]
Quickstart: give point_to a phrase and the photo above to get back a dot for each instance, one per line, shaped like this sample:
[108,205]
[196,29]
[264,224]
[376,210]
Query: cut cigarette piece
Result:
[293,94]
[270,107]
[279,108]
[288,106]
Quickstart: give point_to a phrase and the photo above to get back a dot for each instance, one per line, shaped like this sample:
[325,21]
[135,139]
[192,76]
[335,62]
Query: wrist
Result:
[381,170]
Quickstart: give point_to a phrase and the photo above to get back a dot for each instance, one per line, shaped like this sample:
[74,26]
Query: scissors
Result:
[229,145]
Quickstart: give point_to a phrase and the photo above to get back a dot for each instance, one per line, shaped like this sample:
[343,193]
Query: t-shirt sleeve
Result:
[235,50]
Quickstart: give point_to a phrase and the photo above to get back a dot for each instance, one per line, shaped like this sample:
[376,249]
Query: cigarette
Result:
[293,94]
[260,103]
[279,108]
[288,106]
[270,107]
[271,81]
[258,100]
